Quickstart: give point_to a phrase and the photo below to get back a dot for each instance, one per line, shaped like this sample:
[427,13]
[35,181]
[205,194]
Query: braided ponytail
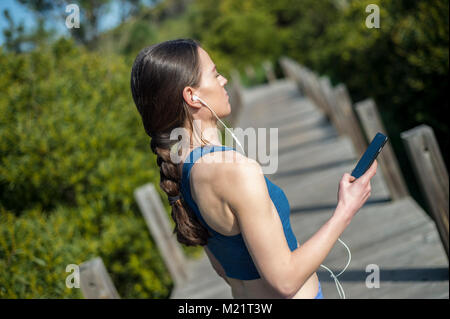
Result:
[188,229]
[158,77]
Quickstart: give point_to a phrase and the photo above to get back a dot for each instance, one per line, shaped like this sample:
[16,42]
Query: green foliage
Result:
[36,248]
[73,126]
[128,39]
[240,39]
[235,33]
[72,151]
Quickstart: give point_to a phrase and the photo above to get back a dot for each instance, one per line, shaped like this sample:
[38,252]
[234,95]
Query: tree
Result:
[91,12]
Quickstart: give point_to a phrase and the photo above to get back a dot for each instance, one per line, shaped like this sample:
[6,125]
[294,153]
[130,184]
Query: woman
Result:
[221,199]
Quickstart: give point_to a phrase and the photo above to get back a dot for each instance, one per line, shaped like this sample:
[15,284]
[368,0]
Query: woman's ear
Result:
[188,96]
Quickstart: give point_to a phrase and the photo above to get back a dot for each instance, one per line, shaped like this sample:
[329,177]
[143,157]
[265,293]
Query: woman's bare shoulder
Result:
[223,171]
[217,165]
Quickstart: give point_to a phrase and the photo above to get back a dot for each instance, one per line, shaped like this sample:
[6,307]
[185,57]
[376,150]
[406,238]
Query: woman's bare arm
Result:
[244,188]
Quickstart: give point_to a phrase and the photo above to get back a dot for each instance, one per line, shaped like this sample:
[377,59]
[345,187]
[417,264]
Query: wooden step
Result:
[276,114]
[313,191]
[204,282]
[412,264]
[281,88]
[371,224]
[315,157]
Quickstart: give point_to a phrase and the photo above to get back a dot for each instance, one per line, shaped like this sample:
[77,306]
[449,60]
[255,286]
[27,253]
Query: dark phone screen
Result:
[369,155]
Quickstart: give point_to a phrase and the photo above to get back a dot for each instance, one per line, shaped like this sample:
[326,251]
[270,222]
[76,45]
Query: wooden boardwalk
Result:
[396,236]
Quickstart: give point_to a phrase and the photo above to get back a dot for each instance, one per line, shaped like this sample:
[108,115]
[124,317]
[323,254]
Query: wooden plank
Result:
[287,112]
[285,94]
[388,289]
[317,156]
[305,80]
[304,138]
[302,189]
[287,68]
[281,89]
[291,71]
[307,122]
[211,291]
[344,104]
[277,114]
[271,143]
[317,94]
[371,122]
[303,122]
[270,74]
[202,278]
[431,172]
[280,106]
[371,224]
[301,162]
[95,281]
[335,117]
[157,222]
[292,126]
[397,257]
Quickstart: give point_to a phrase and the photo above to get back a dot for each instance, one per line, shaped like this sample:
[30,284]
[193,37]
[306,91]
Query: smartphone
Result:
[370,155]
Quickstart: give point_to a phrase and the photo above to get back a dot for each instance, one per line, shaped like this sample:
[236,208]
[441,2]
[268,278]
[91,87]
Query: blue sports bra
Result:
[231,251]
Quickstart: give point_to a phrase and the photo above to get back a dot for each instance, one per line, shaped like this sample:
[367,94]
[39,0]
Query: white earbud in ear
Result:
[196,98]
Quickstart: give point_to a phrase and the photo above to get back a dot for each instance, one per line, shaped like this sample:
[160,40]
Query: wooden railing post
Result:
[287,67]
[309,85]
[319,96]
[302,77]
[345,108]
[158,224]
[371,123]
[432,174]
[270,74]
[329,95]
[95,281]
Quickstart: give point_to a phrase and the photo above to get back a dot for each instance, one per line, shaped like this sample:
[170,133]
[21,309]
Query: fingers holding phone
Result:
[353,193]
[369,156]
[355,189]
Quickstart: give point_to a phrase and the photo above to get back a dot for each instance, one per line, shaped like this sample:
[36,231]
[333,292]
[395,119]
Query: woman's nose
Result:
[225,81]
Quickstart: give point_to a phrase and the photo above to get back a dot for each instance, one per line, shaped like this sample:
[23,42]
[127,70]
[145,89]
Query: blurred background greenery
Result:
[73,149]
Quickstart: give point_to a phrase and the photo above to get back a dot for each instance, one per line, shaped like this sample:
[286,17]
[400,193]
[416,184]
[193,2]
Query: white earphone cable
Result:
[338,284]
[195,97]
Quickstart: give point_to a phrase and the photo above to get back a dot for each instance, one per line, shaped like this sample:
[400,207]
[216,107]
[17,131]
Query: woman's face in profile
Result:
[212,86]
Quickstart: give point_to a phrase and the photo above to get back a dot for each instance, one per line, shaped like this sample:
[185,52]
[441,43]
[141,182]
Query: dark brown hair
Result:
[159,74]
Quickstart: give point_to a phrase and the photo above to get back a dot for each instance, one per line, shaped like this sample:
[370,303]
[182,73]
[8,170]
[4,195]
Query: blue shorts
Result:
[319,294]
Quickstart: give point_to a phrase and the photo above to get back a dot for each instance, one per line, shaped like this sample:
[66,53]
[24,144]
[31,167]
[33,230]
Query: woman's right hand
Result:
[353,193]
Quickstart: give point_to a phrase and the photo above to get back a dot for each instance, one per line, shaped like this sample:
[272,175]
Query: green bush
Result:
[72,151]
[36,248]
